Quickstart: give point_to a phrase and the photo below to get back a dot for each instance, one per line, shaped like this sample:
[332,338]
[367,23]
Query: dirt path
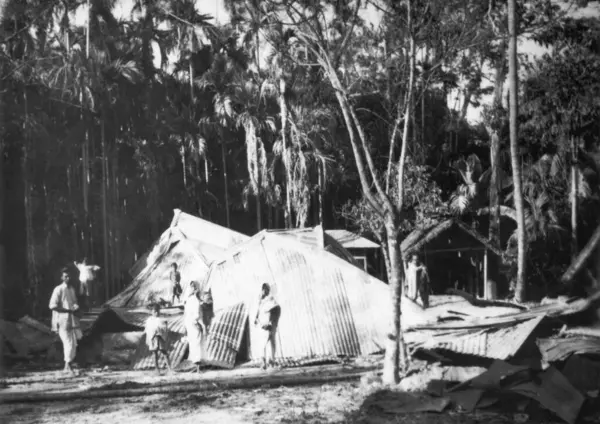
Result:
[333,403]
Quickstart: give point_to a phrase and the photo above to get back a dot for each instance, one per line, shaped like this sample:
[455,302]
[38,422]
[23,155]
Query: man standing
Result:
[267,318]
[194,325]
[63,304]
[88,289]
[417,281]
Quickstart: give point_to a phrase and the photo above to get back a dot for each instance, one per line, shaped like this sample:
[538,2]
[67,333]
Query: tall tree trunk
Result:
[192,103]
[29,232]
[225,178]
[74,226]
[574,197]
[116,224]
[107,269]
[183,164]
[2,205]
[3,16]
[396,349]
[258,182]
[85,154]
[322,177]
[394,342]
[514,153]
[491,260]
[286,161]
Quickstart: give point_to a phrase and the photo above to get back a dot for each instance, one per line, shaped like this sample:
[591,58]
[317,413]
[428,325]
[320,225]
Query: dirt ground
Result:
[333,403]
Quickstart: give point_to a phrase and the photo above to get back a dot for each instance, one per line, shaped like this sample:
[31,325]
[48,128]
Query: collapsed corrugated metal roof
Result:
[190,241]
[350,240]
[328,306]
[153,282]
[494,342]
[316,238]
[489,316]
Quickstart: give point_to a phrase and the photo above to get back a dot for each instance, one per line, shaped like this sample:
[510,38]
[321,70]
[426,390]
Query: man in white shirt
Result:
[88,289]
[416,281]
[63,304]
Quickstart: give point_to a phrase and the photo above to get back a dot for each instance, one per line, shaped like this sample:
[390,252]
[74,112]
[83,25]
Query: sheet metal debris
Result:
[550,389]
[496,342]
[560,348]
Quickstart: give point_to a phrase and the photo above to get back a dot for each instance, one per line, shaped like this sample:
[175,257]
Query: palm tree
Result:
[472,194]
[220,83]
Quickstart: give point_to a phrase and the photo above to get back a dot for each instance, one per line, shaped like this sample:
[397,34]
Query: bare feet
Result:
[68,369]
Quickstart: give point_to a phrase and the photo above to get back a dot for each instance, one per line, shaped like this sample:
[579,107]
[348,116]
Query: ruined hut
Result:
[193,243]
[454,254]
[365,252]
[330,307]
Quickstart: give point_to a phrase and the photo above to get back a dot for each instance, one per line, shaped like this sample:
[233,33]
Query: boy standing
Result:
[175,278]
[156,336]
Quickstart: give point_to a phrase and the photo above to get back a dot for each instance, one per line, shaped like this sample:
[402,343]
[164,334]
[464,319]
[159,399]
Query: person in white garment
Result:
[63,304]
[88,290]
[194,325]
[157,337]
[417,281]
[267,319]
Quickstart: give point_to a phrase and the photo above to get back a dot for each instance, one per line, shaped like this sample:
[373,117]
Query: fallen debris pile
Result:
[474,355]
[509,388]
[25,339]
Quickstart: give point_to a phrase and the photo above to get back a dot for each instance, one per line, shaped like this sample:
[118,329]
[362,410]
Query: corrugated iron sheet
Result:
[328,307]
[158,248]
[494,342]
[178,345]
[549,311]
[177,349]
[351,240]
[559,349]
[154,281]
[194,228]
[316,238]
[225,336]
[192,242]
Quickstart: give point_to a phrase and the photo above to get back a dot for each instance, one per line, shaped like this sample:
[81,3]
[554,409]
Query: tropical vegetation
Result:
[292,114]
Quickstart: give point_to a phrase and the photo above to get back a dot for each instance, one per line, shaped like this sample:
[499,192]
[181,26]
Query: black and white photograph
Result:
[300,211]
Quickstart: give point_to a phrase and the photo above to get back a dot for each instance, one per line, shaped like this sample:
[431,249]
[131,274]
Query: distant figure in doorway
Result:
[175,278]
[88,288]
[267,318]
[63,304]
[157,337]
[194,325]
[417,281]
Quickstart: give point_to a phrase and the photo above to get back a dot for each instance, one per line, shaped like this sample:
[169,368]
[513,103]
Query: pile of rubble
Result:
[475,355]
[27,340]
